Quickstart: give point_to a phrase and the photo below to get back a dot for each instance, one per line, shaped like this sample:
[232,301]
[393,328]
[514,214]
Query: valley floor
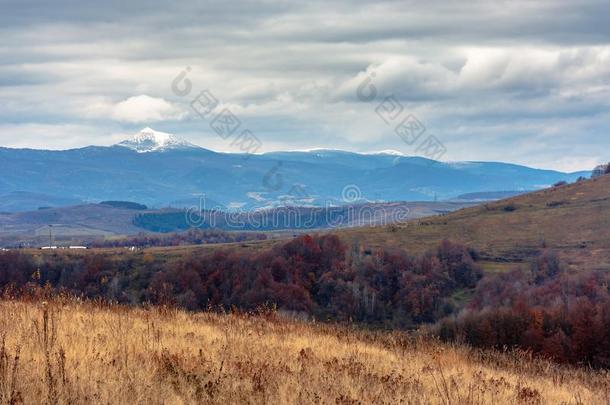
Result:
[74,352]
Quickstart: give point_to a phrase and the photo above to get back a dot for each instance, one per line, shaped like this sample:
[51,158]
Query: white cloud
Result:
[143,108]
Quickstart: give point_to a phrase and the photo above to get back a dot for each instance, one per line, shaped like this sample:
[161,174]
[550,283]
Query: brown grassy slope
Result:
[160,254]
[84,353]
[573,219]
[88,219]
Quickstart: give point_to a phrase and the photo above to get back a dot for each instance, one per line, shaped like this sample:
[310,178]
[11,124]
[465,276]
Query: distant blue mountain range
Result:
[161,170]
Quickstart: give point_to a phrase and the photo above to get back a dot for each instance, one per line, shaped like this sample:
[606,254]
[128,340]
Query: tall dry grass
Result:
[71,352]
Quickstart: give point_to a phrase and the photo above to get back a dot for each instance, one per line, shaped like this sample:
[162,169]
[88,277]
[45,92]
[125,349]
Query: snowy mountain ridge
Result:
[149,140]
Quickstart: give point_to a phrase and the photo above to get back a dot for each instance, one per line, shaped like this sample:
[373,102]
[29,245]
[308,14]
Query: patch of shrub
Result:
[510,207]
[546,311]
[125,204]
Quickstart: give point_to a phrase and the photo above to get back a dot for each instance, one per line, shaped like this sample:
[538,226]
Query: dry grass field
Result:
[69,352]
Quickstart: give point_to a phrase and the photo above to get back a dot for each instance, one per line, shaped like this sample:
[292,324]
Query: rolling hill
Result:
[29,201]
[72,223]
[85,222]
[573,220]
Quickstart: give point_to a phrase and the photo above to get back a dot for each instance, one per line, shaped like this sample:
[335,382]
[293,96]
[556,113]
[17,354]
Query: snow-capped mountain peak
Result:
[387,152]
[149,140]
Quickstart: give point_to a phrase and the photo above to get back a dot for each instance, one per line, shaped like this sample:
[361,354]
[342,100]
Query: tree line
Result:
[315,276]
[192,236]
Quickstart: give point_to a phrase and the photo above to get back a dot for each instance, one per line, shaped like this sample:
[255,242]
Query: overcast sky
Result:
[518,81]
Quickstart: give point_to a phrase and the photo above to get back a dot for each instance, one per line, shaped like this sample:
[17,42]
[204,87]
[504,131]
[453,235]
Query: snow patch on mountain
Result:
[387,152]
[149,140]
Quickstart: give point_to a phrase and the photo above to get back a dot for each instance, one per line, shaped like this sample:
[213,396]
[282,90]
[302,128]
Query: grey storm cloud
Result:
[521,81]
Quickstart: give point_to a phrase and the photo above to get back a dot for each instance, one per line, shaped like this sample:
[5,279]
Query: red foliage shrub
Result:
[553,314]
